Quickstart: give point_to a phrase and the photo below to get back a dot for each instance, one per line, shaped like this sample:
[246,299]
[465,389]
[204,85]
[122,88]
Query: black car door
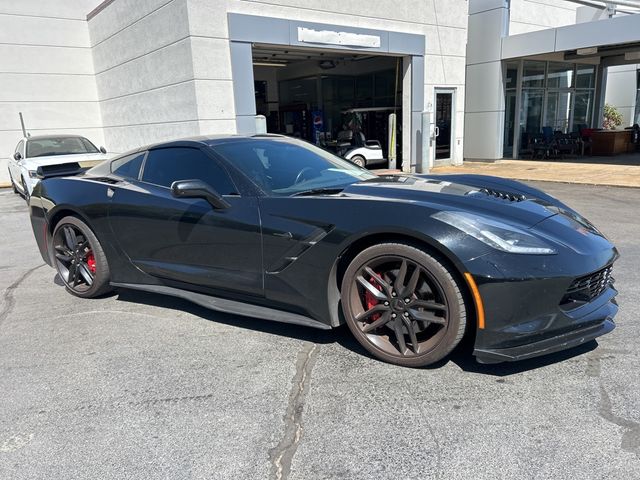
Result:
[185,239]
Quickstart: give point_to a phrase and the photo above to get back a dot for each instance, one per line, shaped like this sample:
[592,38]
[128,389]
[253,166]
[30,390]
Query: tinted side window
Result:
[129,166]
[19,148]
[165,166]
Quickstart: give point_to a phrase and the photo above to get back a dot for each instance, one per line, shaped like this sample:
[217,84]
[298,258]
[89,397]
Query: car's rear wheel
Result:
[79,258]
[359,160]
[403,305]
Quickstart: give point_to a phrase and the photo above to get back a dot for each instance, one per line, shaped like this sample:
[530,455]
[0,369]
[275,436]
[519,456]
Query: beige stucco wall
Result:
[46,72]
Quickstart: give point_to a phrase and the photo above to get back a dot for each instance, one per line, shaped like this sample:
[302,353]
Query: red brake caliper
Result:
[370,300]
[91,262]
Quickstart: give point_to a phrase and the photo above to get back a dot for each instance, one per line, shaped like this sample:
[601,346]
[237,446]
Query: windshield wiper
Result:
[318,191]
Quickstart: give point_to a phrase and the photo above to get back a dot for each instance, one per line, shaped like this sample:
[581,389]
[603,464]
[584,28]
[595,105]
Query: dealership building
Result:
[434,81]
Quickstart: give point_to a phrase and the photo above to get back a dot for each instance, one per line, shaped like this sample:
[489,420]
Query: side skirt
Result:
[229,306]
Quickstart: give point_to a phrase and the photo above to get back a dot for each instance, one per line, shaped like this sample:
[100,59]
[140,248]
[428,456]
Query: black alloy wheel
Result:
[79,258]
[403,305]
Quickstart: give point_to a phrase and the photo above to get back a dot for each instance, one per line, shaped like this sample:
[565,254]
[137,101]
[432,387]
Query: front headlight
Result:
[33,174]
[496,234]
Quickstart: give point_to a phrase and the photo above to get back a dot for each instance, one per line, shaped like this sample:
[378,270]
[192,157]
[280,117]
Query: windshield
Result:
[43,147]
[286,166]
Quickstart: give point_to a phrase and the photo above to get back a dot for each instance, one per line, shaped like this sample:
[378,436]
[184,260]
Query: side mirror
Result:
[17,156]
[198,189]
[103,150]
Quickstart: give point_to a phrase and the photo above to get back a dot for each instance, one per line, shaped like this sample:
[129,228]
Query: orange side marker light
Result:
[476,298]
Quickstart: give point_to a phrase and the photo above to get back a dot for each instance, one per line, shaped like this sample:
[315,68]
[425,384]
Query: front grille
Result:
[508,196]
[585,289]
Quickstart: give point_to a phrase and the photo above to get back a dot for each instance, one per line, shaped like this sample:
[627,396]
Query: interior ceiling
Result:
[288,57]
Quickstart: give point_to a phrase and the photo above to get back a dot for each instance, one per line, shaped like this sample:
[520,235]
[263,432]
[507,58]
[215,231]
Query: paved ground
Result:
[142,386]
[603,173]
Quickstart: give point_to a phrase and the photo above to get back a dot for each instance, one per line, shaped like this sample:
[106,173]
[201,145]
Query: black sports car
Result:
[275,228]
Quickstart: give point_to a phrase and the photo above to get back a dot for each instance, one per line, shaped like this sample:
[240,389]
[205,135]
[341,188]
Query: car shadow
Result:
[462,356]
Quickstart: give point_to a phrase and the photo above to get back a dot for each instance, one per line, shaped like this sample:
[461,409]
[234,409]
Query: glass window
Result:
[41,147]
[637,113]
[19,147]
[166,165]
[531,111]
[287,166]
[511,74]
[560,75]
[582,110]
[585,76]
[129,166]
[533,74]
[558,111]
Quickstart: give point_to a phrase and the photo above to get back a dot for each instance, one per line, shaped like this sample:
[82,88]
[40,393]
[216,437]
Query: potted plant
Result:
[612,117]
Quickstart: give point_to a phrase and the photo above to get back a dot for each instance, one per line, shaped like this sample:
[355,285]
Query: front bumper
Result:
[526,313]
[585,327]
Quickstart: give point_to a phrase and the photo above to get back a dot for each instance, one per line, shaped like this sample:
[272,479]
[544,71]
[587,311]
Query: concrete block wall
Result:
[144,72]
[46,72]
[534,15]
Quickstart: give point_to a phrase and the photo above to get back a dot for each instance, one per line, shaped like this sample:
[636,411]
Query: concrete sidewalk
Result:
[551,171]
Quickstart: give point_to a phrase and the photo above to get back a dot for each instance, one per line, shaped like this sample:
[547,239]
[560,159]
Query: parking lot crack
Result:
[631,436]
[282,455]
[8,298]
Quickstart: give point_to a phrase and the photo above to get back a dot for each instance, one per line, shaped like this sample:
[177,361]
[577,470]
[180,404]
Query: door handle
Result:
[110,192]
[287,235]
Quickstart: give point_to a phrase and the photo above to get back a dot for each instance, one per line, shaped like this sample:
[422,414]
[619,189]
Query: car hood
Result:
[35,162]
[512,206]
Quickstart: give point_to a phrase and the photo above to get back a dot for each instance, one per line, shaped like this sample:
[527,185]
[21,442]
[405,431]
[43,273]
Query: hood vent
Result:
[501,195]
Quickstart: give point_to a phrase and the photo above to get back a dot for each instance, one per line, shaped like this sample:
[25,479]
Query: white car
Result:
[53,155]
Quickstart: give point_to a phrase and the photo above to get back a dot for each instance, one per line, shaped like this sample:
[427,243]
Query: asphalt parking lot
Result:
[142,386]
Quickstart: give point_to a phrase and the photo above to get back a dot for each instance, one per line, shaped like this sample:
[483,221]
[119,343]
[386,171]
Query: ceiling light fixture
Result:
[269,64]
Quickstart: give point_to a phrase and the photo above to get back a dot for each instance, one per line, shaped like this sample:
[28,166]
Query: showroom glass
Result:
[511,81]
[59,146]
[560,75]
[287,166]
[167,165]
[129,166]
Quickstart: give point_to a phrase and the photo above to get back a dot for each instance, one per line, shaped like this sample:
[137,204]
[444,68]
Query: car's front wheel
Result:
[13,183]
[403,305]
[25,189]
[79,258]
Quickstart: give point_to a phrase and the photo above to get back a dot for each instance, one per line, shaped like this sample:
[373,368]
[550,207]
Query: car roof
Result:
[208,140]
[43,137]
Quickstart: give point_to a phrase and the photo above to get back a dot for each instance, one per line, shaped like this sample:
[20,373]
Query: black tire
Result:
[13,184]
[26,190]
[413,322]
[80,257]
[359,160]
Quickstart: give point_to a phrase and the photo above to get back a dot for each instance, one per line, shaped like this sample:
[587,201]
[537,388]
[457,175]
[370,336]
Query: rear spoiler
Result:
[63,170]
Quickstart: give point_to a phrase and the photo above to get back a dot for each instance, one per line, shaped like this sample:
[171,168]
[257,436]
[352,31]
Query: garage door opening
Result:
[338,100]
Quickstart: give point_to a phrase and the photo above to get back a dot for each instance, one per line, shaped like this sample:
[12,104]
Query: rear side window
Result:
[129,166]
[165,166]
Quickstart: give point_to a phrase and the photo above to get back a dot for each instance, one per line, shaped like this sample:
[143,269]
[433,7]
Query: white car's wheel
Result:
[13,183]
[25,193]
[359,160]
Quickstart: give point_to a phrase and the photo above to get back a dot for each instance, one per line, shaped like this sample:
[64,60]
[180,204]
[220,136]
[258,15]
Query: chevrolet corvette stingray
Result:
[278,229]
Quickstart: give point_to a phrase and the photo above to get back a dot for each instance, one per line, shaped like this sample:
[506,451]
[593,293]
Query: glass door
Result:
[443,118]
